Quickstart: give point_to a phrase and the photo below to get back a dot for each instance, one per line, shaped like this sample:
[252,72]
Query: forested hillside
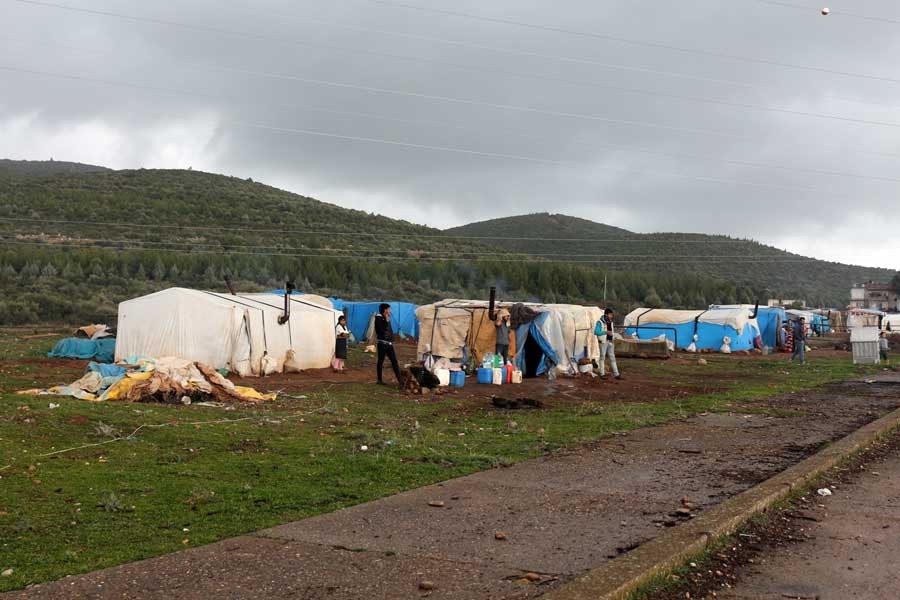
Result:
[745,263]
[76,241]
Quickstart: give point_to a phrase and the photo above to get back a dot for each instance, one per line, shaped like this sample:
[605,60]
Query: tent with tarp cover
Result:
[543,336]
[699,330]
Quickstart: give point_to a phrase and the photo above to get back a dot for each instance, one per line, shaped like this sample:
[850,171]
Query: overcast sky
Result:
[527,119]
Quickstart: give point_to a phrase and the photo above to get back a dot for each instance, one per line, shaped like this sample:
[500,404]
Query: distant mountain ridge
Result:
[77,239]
[779,273]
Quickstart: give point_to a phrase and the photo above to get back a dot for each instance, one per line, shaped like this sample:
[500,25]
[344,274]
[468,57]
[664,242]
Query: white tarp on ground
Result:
[736,318]
[234,332]
[447,326]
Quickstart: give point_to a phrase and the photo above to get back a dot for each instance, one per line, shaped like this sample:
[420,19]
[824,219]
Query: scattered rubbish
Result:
[436,503]
[702,361]
[167,380]
[52,406]
[499,535]
[364,448]
[824,492]
[7,572]
[426,586]
[532,577]
[186,400]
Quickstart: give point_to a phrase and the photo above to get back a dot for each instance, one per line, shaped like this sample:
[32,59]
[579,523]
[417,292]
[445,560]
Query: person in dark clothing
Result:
[384,333]
[800,341]
[502,346]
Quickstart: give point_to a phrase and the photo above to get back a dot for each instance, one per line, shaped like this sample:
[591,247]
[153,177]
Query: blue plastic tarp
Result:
[403,315]
[710,335]
[403,318]
[770,319]
[102,350]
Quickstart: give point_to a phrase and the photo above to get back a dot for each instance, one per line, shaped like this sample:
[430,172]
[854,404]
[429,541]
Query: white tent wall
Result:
[309,331]
[178,322]
[224,331]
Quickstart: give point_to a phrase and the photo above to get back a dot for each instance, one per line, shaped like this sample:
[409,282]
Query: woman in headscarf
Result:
[341,335]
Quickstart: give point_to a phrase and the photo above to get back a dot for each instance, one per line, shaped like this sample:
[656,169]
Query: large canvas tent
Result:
[543,335]
[225,331]
[710,327]
[769,318]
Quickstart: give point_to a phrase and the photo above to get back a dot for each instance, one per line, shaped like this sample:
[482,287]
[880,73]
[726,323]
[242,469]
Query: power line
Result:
[560,58]
[623,40]
[467,151]
[592,84]
[488,259]
[837,13]
[512,132]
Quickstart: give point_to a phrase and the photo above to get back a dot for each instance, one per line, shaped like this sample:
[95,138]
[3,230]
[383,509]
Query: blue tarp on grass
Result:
[102,350]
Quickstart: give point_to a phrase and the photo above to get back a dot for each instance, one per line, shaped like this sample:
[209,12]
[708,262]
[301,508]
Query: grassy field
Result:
[150,479]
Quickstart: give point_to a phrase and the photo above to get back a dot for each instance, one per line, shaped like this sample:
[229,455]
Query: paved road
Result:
[560,515]
[854,550]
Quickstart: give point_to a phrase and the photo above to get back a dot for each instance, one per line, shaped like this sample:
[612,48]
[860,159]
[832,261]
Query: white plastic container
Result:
[517,377]
[498,376]
[443,376]
[864,341]
[585,368]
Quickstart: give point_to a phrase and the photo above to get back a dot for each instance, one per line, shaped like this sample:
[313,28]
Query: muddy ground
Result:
[506,533]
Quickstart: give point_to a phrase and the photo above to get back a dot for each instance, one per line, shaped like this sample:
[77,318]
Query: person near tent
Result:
[884,346]
[384,333]
[502,346]
[799,331]
[341,335]
[607,345]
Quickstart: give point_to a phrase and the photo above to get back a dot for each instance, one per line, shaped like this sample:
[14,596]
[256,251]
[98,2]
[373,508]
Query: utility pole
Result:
[604,288]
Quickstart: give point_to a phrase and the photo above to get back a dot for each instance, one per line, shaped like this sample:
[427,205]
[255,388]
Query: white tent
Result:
[234,332]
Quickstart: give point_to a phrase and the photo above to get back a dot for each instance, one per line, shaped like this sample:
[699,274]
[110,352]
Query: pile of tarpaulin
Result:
[166,380]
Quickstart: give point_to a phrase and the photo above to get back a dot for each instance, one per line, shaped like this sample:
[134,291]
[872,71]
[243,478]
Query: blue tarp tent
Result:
[710,326]
[769,319]
[102,350]
[403,316]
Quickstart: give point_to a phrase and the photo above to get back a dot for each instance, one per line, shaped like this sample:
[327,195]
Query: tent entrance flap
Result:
[533,357]
[537,354]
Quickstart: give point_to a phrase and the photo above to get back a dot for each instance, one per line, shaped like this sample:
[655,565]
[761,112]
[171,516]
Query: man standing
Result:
[502,346]
[799,340]
[385,335]
[607,347]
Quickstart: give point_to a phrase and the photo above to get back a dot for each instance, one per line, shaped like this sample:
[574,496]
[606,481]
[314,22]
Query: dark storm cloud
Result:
[198,98]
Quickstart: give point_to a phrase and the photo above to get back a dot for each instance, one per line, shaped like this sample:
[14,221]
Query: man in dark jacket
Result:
[799,340]
[385,335]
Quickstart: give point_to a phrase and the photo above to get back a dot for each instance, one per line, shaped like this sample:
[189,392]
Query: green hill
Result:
[77,239]
[771,271]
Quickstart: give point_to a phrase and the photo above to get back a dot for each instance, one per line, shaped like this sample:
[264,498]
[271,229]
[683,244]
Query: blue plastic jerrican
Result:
[485,376]
[457,378]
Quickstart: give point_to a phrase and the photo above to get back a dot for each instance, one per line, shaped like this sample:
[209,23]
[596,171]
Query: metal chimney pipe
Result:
[288,290]
[491,314]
